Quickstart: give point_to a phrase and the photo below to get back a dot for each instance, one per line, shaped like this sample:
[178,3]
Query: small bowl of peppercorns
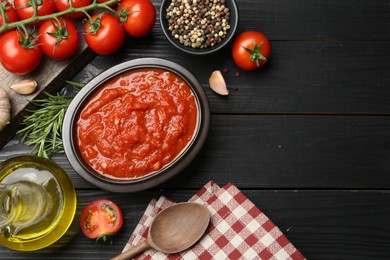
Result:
[199,26]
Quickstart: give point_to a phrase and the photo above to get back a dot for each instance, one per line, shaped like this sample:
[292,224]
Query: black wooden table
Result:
[306,138]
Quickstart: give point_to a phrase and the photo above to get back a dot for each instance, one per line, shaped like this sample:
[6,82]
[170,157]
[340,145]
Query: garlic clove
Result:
[25,87]
[217,83]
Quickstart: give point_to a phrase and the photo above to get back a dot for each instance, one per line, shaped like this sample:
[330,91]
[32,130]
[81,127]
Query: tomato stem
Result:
[104,237]
[123,13]
[95,24]
[60,32]
[25,40]
[2,11]
[36,18]
[255,53]
[34,5]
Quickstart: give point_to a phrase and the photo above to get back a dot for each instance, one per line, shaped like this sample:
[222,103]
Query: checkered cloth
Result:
[238,229]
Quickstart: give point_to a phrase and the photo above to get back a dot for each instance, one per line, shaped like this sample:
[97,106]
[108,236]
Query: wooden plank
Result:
[327,57]
[316,77]
[319,20]
[53,71]
[314,20]
[302,76]
[294,152]
[322,224]
[50,76]
[291,152]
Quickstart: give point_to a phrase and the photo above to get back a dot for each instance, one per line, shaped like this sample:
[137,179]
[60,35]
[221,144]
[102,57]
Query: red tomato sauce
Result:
[137,123]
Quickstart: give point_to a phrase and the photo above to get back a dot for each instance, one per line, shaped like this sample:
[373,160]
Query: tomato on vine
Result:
[19,52]
[59,38]
[101,219]
[137,16]
[63,5]
[104,33]
[9,13]
[251,50]
[25,8]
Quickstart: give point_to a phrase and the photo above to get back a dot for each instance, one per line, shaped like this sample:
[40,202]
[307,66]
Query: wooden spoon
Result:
[173,230]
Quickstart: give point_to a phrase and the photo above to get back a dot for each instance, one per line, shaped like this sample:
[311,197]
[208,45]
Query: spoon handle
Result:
[133,251]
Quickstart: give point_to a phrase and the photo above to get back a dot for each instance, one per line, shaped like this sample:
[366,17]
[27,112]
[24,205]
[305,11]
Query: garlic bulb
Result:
[217,83]
[5,109]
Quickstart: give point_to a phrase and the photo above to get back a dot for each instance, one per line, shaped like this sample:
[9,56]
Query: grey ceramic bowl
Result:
[233,22]
[155,178]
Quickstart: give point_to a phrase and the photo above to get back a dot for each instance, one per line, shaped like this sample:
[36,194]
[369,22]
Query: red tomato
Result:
[251,50]
[101,219]
[104,34]
[59,40]
[19,58]
[138,16]
[63,5]
[24,9]
[9,12]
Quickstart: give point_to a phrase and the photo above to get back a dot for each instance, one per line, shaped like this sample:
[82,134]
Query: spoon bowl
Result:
[173,230]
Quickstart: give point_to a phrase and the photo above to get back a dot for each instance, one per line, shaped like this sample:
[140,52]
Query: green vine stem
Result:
[3,6]
[6,26]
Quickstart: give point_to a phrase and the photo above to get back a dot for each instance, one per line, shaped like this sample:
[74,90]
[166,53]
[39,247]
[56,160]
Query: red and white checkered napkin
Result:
[238,229]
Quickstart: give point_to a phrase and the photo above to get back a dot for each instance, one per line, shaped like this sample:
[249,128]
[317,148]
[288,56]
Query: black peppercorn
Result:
[198,23]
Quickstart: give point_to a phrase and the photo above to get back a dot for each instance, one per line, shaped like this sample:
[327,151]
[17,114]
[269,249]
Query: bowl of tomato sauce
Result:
[136,125]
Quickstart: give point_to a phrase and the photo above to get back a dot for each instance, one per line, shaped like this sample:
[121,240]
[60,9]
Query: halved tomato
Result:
[101,219]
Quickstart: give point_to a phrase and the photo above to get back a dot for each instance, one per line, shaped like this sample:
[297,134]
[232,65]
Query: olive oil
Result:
[37,203]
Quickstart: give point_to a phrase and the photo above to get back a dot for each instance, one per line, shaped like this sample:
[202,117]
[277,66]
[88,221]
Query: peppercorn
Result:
[198,23]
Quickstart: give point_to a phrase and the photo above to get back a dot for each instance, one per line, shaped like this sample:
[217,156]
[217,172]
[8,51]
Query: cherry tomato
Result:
[19,54]
[101,219]
[9,13]
[59,39]
[63,5]
[251,50]
[138,16]
[104,34]
[24,9]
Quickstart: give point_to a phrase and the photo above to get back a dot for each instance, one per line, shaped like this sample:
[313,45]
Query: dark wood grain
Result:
[323,224]
[316,77]
[292,152]
[296,74]
[342,152]
[307,137]
[313,20]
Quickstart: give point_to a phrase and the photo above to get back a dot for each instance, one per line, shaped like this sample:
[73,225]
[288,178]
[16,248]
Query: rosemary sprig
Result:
[76,85]
[43,127]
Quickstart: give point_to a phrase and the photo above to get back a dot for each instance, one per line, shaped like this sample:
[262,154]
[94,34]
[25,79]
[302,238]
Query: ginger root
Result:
[5,109]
